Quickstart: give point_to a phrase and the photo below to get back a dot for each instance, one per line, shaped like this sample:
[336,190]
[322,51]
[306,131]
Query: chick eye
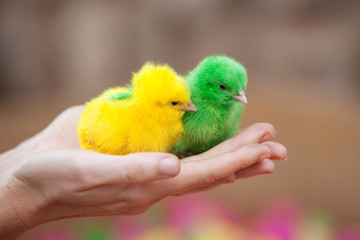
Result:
[174,103]
[222,87]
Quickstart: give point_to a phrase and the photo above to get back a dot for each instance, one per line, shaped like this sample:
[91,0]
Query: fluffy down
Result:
[140,118]
[217,86]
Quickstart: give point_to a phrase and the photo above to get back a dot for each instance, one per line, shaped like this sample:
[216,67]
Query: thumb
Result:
[131,168]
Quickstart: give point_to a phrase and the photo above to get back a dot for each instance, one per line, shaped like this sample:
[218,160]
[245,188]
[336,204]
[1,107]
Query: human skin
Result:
[48,177]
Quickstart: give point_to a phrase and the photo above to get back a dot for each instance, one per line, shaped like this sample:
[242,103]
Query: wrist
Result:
[18,211]
[21,209]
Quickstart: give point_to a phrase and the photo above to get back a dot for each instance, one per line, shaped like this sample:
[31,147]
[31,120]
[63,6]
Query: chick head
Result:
[220,80]
[162,90]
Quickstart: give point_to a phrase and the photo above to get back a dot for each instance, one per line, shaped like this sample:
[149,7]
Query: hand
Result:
[54,179]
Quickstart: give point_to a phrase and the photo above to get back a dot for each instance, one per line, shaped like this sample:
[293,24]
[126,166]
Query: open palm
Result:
[59,180]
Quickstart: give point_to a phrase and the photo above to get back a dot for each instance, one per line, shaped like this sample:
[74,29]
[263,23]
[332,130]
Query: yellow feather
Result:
[145,122]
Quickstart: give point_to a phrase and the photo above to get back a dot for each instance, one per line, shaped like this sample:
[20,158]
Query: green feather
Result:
[218,115]
[121,95]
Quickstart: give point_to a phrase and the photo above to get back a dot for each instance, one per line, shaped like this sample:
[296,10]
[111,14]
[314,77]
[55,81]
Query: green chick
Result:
[217,85]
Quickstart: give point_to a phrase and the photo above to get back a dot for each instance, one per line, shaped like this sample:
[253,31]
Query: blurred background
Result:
[302,57]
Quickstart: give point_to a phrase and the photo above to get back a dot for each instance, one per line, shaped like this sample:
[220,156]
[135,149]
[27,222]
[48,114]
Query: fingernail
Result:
[266,137]
[285,155]
[169,167]
[265,156]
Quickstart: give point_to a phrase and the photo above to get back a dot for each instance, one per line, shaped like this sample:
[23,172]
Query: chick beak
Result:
[190,107]
[241,97]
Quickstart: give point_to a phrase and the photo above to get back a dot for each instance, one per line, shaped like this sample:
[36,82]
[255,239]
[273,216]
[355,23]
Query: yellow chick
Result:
[146,117]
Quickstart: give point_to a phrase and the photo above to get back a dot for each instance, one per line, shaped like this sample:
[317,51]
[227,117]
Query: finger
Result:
[199,173]
[229,179]
[256,133]
[265,166]
[278,151]
[100,169]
